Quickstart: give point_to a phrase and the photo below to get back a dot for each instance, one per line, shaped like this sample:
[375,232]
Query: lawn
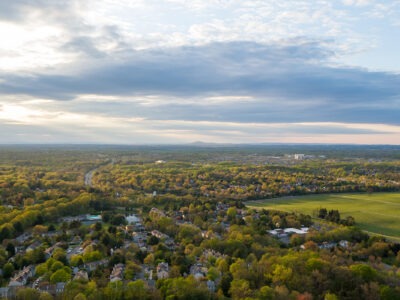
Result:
[377,213]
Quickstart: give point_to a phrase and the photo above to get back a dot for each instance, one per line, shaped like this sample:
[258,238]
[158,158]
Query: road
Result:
[89,176]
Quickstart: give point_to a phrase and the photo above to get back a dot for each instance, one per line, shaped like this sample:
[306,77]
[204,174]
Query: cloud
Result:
[288,83]
[357,2]
[184,70]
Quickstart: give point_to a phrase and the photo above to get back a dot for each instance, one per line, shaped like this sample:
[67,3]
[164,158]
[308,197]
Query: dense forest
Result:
[92,222]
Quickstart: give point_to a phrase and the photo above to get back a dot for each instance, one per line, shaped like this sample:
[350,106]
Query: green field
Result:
[377,213]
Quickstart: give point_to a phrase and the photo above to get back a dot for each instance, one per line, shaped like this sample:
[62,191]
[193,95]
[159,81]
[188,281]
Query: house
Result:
[23,237]
[47,288]
[209,253]
[52,289]
[326,245]
[49,251]
[91,266]
[76,240]
[344,244]
[129,228]
[117,273]
[60,287]
[4,293]
[148,272]
[22,277]
[198,271]
[211,286]
[157,212]
[210,234]
[81,275]
[159,234]
[287,231]
[162,270]
[33,246]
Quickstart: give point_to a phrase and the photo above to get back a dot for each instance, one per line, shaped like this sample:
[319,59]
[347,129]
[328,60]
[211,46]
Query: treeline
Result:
[15,221]
[333,215]
[247,182]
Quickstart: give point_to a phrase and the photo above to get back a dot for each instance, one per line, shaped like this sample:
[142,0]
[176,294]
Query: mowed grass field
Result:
[377,213]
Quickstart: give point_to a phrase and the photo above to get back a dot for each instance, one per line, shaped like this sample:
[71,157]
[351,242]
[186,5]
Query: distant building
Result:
[21,278]
[33,246]
[4,293]
[326,245]
[159,234]
[77,240]
[23,237]
[211,286]
[81,275]
[162,270]
[287,231]
[52,289]
[299,156]
[49,251]
[198,271]
[117,273]
[156,212]
[91,266]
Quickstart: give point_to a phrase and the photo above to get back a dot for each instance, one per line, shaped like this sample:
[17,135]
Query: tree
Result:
[60,276]
[8,269]
[366,272]
[322,213]
[153,240]
[41,269]
[80,296]
[98,226]
[136,290]
[76,260]
[281,274]
[60,255]
[39,229]
[45,296]
[89,256]
[240,289]
[10,249]
[56,266]
[28,294]
[118,220]
[265,293]
[329,296]
[213,274]
[231,213]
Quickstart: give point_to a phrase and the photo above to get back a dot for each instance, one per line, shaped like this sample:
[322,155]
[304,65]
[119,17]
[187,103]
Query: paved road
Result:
[88,177]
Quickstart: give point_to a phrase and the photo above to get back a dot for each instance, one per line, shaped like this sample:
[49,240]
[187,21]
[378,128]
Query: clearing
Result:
[376,213]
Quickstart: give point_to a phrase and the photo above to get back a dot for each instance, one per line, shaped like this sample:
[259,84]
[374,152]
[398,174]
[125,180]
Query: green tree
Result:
[366,272]
[8,269]
[60,276]
[136,290]
[240,289]
[45,296]
[28,294]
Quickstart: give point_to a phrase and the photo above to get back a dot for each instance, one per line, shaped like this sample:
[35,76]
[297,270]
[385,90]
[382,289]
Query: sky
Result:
[216,71]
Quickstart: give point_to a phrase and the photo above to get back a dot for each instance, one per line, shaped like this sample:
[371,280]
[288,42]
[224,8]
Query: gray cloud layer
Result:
[281,83]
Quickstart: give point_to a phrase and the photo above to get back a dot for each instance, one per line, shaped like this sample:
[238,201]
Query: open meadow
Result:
[377,213]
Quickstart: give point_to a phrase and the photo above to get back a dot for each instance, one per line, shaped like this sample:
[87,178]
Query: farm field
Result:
[377,213]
